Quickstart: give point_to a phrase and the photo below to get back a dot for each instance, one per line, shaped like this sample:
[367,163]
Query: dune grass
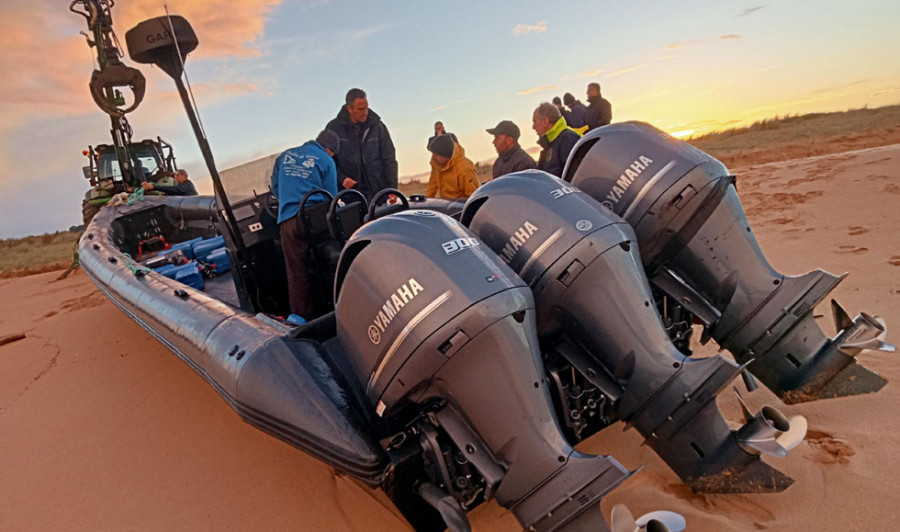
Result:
[37,254]
[793,137]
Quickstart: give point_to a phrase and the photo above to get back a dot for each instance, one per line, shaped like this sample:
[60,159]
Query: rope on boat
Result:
[137,195]
[139,270]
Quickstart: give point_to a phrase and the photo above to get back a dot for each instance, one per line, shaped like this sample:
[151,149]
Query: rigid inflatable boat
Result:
[456,353]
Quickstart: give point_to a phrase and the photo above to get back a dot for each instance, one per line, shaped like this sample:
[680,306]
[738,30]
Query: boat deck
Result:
[222,288]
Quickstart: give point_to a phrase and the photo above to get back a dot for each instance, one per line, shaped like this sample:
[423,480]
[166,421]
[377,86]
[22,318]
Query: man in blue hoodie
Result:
[296,172]
[368,160]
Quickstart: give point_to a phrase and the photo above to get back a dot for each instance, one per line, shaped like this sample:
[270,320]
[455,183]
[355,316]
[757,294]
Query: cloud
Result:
[52,63]
[839,87]
[885,91]
[680,45]
[693,42]
[588,73]
[48,66]
[770,67]
[624,71]
[207,94]
[438,108]
[750,10]
[539,88]
[523,29]
[225,28]
[299,49]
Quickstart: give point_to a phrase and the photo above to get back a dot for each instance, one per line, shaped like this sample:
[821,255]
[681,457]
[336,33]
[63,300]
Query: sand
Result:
[102,428]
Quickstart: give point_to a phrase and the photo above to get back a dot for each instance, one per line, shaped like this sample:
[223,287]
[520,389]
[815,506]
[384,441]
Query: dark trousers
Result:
[294,245]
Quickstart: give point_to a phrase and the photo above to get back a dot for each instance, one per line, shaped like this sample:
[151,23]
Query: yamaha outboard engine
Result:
[697,247]
[441,335]
[594,311]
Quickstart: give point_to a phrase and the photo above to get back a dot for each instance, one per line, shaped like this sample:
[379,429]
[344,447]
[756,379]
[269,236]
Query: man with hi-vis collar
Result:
[556,138]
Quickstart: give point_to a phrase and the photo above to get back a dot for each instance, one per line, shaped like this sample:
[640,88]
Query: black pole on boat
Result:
[165,42]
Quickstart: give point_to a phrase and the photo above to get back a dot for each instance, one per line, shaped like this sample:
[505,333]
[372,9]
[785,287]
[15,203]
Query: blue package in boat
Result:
[219,257]
[189,275]
[186,247]
[202,249]
[168,270]
[172,271]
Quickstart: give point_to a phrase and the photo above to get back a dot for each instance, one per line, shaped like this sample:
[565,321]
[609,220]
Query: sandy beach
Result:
[102,428]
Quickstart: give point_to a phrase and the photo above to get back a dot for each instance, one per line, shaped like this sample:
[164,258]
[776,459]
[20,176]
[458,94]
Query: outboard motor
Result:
[697,247]
[441,335]
[594,311]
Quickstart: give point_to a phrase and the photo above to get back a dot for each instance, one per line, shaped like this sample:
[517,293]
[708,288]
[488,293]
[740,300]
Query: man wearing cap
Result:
[298,171]
[453,175]
[555,137]
[599,110]
[511,157]
[577,117]
[367,161]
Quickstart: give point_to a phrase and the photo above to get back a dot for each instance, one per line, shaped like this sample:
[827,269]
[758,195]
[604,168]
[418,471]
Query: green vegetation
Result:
[798,136]
[37,254]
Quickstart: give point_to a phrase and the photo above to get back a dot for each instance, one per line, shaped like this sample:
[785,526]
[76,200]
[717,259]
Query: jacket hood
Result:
[344,115]
[459,153]
[314,144]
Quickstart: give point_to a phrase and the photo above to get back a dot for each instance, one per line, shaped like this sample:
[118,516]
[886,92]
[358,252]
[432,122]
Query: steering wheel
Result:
[311,193]
[271,206]
[343,194]
[383,194]
[333,218]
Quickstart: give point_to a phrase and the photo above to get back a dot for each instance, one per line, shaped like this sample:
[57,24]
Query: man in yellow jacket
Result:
[453,176]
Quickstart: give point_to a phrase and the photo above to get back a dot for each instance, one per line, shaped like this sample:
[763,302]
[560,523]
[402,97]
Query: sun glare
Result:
[683,133]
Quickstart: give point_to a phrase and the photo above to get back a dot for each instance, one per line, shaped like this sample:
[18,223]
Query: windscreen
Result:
[145,161]
[249,179]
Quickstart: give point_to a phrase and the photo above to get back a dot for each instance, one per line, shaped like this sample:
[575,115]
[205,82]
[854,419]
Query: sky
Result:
[269,74]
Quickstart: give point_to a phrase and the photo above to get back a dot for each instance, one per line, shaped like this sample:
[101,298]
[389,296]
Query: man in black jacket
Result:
[512,158]
[578,114]
[599,111]
[556,138]
[367,160]
[183,186]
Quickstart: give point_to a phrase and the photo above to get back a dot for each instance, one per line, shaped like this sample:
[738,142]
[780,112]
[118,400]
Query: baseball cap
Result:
[507,128]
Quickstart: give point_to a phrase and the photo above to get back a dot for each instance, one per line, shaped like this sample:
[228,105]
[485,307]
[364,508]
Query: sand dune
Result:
[102,428]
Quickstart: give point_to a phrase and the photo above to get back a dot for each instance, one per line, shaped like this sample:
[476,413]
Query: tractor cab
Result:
[152,160]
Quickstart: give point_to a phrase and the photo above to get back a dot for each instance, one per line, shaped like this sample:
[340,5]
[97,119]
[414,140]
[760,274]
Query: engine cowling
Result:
[595,309]
[698,247]
[434,321]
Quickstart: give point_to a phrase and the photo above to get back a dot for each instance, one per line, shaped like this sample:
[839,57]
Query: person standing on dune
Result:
[577,117]
[599,111]
[438,131]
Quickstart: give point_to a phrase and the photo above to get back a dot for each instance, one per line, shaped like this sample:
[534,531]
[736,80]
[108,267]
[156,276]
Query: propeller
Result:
[769,431]
[862,332]
[658,521]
